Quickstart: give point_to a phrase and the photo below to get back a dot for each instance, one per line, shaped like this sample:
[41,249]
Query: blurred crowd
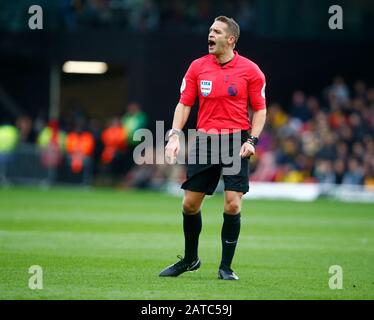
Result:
[152,15]
[326,138]
[78,144]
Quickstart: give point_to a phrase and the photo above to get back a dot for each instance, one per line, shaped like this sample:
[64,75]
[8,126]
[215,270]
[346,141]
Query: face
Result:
[219,41]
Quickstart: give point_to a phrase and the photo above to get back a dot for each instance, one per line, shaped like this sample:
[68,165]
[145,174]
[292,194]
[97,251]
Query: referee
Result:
[226,84]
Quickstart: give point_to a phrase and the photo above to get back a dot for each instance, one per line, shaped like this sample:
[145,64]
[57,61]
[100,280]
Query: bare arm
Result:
[181,115]
[258,122]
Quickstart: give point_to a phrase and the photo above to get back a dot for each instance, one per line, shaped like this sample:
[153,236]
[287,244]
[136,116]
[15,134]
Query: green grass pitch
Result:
[111,244]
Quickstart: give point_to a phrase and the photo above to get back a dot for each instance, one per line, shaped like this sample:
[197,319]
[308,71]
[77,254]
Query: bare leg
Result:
[192,202]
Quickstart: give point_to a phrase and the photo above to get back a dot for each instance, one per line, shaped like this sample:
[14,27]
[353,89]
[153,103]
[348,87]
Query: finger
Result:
[169,155]
[167,152]
[170,160]
[247,153]
[250,154]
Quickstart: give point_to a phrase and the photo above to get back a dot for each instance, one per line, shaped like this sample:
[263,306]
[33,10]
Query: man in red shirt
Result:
[226,84]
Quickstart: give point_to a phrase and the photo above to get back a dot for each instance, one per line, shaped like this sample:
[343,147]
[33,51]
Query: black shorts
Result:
[203,176]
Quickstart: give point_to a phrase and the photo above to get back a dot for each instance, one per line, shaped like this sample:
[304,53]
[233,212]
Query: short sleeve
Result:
[188,89]
[256,90]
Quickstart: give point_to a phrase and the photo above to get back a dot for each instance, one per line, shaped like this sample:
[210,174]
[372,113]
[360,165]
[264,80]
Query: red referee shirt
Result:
[224,92]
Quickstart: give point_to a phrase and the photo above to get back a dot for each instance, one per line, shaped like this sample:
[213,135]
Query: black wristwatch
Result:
[252,140]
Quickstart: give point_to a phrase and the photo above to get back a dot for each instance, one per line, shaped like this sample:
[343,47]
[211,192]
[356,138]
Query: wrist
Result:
[174,133]
[253,140]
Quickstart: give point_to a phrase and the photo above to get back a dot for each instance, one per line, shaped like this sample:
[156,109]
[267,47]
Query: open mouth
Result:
[211,44]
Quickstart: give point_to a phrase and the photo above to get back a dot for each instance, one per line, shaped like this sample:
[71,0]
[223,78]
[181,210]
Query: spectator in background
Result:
[96,130]
[317,143]
[324,171]
[358,126]
[115,140]
[80,146]
[359,90]
[288,149]
[313,105]
[277,118]
[339,90]
[358,150]
[298,108]
[369,176]
[26,130]
[335,115]
[368,160]
[133,119]
[370,96]
[51,141]
[327,150]
[339,170]
[355,174]
[368,155]
[341,150]
[9,138]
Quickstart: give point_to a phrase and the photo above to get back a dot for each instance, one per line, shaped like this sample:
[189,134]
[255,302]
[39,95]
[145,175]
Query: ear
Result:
[231,40]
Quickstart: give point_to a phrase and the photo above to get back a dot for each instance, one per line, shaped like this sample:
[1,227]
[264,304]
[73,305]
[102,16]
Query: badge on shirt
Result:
[205,87]
[183,85]
[232,90]
[263,91]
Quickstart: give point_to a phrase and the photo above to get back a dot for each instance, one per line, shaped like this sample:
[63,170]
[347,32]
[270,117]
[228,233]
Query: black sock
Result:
[229,236]
[192,228]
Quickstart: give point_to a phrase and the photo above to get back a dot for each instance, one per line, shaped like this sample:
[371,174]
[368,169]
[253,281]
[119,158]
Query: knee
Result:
[190,207]
[232,206]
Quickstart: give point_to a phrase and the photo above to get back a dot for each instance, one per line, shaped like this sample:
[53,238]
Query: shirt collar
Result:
[230,63]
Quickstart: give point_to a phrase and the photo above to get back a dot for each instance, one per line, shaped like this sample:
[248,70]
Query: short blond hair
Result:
[232,26]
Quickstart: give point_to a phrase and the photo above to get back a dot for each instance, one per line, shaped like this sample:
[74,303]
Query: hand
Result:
[247,150]
[172,149]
